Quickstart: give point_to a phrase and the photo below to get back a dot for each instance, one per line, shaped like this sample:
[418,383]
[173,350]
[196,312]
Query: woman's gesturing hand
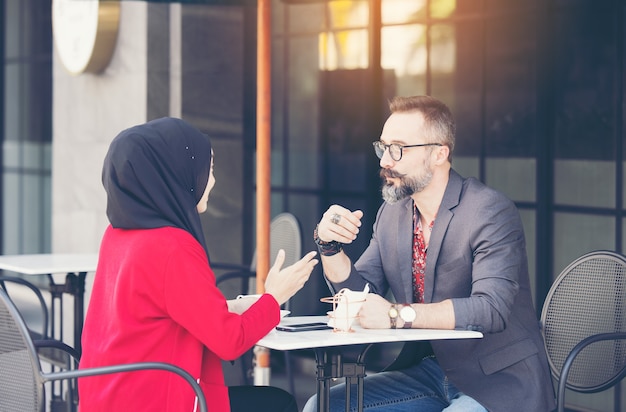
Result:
[284,283]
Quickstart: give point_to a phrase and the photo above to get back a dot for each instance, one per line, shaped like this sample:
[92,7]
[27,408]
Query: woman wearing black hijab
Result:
[154,296]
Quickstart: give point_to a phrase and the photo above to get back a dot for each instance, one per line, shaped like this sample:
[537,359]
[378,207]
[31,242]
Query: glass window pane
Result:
[35,156]
[466,166]
[348,14]
[624,184]
[303,168]
[11,212]
[306,18]
[508,5]
[348,128]
[529,221]
[348,172]
[510,88]
[14,99]
[577,234]
[515,177]
[32,219]
[442,49]
[584,183]
[11,29]
[440,9]
[277,172]
[585,84]
[303,113]
[278,16]
[307,302]
[402,11]
[467,86]
[469,8]
[346,49]
[26,197]
[279,87]
[306,208]
[404,53]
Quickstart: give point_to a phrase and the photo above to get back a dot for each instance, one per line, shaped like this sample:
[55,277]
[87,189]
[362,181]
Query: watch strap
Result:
[326,248]
[393,316]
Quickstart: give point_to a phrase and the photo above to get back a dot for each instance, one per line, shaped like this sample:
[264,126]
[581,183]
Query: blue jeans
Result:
[422,387]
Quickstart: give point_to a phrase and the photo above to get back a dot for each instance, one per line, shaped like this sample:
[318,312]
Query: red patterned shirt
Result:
[419,256]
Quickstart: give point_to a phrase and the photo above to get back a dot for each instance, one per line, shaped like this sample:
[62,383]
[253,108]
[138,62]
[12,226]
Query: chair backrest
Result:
[285,234]
[21,387]
[39,326]
[587,298]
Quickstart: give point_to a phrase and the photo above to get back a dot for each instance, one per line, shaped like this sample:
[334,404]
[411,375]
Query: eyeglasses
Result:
[395,150]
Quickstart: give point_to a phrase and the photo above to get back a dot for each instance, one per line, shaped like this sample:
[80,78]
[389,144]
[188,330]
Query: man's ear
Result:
[441,154]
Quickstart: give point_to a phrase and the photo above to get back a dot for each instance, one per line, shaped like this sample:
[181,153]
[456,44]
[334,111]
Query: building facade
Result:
[537,87]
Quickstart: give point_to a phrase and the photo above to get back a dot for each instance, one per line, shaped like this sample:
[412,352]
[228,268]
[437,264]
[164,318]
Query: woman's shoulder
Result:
[161,240]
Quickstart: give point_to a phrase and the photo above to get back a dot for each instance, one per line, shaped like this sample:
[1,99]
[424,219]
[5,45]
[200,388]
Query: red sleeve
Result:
[193,300]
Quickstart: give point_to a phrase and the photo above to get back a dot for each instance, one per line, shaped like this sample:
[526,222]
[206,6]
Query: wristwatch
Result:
[393,316]
[408,315]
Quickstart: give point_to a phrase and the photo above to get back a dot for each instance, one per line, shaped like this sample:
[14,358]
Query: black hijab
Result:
[155,174]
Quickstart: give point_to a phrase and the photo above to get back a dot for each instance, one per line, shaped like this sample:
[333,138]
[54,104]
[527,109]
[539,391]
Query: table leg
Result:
[56,294]
[330,365]
[324,375]
[360,375]
[76,286]
[354,374]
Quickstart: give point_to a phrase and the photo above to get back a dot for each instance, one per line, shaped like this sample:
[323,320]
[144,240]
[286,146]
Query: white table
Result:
[75,266]
[332,367]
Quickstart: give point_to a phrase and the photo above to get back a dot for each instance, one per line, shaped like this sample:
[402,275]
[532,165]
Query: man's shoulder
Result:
[471,186]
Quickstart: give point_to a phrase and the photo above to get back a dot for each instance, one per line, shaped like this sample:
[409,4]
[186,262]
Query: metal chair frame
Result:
[50,350]
[584,324]
[45,316]
[24,376]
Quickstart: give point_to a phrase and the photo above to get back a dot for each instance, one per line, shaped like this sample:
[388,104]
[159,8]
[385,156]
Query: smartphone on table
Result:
[300,327]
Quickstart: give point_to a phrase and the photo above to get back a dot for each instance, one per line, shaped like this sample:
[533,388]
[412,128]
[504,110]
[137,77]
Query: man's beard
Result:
[407,185]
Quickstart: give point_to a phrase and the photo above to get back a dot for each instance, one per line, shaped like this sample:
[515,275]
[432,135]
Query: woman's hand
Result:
[283,284]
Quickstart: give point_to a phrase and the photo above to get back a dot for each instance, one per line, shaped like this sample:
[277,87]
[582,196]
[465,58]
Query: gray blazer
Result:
[477,258]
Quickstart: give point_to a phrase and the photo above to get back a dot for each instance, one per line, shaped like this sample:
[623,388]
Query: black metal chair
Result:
[285,233]
[22,379]
[584,324]
[51,351]
[40,333]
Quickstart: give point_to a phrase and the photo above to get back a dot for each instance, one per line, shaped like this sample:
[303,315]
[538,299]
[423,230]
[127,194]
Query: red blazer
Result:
[154,298]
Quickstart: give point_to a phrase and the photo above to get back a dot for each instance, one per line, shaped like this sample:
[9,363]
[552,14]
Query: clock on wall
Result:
[85,32]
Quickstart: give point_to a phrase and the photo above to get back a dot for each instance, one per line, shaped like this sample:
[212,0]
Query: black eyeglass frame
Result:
[378,144]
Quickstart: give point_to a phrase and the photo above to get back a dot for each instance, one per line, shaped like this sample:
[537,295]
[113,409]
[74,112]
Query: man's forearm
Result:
[336,267]
[438,315]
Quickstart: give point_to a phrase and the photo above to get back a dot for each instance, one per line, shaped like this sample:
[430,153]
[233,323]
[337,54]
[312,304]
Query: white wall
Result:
[89,111]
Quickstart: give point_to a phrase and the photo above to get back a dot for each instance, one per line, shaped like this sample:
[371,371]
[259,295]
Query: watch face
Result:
[393,312]
[407,313]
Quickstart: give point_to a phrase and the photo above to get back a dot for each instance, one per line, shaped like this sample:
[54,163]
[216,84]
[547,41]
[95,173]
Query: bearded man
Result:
[452,253]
